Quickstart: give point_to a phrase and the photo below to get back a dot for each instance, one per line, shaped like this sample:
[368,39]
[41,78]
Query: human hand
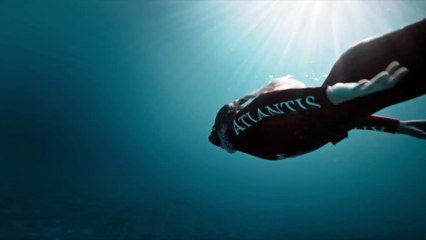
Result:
[414,128]
[342,92]
[385,79]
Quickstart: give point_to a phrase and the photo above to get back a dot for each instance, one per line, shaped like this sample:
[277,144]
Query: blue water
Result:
[105,109]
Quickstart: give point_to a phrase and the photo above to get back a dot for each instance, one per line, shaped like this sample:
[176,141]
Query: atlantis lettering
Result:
[250,118]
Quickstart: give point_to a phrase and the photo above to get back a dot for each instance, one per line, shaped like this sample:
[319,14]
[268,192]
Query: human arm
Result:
[281,83]
[343,92]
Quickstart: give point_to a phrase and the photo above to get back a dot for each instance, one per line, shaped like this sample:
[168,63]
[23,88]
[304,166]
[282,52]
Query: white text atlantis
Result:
[251,118]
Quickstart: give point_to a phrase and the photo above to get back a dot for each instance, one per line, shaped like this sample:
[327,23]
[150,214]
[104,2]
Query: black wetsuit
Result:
[291,122]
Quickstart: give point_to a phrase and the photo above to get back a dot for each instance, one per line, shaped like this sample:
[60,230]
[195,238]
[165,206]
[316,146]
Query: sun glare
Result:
[261,39]
[289,31]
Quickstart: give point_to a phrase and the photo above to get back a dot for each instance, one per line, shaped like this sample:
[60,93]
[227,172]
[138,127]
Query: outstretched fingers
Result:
[396,72]
[398,75]
[342,92]
[389,77]
[392,67]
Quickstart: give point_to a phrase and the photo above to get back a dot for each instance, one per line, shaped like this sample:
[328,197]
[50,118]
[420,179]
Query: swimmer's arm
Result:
[277,84]
[342,92]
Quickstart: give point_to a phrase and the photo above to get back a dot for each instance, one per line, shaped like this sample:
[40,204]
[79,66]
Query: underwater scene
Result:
[106,107]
